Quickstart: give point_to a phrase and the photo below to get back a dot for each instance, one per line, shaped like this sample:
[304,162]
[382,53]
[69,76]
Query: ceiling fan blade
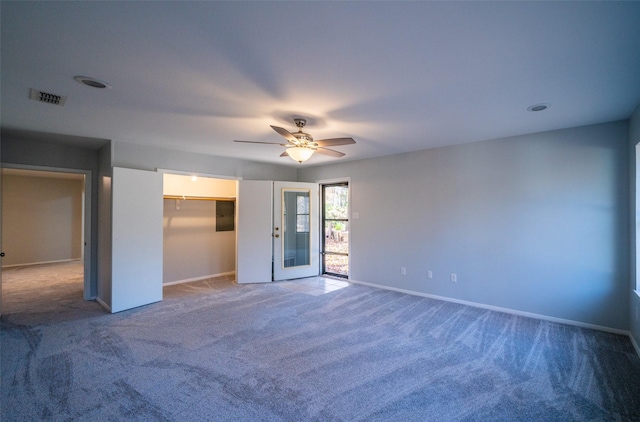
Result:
[258,142]
[285,133]
[334,142]
[284,154]
[327,151]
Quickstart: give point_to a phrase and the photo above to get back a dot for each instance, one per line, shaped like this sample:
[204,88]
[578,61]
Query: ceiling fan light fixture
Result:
[300,154]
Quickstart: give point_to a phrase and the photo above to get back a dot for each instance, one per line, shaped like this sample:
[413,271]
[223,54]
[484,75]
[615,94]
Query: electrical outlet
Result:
[429,274]
[454,278]
[403,271]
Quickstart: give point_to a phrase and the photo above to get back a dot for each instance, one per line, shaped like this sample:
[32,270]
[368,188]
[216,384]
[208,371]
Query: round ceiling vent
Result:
[92,82]
[538,107]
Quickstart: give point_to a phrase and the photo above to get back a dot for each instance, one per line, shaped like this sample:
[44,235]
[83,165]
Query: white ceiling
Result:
[395,76]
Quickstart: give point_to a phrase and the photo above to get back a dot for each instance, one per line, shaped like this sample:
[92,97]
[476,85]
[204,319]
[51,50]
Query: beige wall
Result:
[41,219]
[192,247]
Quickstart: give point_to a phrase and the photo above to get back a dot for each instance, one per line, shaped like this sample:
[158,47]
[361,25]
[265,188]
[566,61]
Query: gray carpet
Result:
[216,351]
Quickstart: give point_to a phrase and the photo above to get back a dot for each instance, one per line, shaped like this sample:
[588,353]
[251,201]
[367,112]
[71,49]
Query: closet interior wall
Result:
[192,247]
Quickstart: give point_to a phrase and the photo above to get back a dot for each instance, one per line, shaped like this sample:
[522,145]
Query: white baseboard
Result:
[499,309]
[104,305]
[41,263]
[189,280]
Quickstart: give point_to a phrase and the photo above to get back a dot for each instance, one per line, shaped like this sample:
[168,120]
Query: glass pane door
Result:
[335,222]
[295,230]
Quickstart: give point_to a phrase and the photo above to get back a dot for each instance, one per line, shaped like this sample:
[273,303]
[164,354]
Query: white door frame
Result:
[86,249]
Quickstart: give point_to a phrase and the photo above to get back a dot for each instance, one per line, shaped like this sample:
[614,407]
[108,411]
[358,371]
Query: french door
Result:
[295,230]
[277,231]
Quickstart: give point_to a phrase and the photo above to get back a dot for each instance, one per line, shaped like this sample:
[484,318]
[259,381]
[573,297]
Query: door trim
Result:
[196,173]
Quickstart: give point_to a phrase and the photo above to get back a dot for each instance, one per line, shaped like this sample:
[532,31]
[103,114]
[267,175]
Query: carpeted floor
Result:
[217,351]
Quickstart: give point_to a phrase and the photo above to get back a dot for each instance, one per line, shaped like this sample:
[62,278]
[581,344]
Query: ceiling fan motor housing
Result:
[304,138]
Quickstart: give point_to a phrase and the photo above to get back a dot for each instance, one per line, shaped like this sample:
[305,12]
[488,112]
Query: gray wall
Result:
[42,219]
[44,154]
[105,173]
[192,247]
[634,315]
[151,158]
[536,223]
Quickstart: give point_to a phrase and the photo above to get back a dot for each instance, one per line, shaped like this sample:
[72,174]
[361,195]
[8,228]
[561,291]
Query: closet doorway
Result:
[45,236]
[199,233]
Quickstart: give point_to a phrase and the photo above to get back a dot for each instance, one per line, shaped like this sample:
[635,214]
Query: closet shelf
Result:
[199,198]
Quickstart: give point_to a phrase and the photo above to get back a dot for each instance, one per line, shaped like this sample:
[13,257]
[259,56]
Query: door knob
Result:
[2,254]
[276,235]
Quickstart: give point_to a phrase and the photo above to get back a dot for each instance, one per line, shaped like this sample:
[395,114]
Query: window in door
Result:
[295,228]
[335,224]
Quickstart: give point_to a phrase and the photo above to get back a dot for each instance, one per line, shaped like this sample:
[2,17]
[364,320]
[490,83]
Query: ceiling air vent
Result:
[46,97]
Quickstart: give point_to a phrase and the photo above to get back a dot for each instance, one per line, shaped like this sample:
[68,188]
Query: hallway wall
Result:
[41,219]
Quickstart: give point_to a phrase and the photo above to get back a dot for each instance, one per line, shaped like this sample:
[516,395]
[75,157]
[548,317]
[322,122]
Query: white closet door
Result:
[137,238]
[253,231]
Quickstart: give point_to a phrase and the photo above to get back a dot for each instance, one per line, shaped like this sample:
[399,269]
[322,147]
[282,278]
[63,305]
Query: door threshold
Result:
[314,286]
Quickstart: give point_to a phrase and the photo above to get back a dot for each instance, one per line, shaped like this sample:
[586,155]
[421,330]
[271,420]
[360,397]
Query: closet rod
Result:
[198,198]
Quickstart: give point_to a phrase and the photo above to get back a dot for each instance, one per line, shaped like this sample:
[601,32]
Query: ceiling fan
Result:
[301,146]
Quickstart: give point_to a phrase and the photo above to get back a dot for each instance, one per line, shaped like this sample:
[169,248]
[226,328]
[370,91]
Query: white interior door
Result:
[254,200]
[295,230]
[136,278]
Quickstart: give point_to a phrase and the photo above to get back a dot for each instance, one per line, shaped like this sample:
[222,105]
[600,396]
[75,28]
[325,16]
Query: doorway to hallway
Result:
[46,226]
